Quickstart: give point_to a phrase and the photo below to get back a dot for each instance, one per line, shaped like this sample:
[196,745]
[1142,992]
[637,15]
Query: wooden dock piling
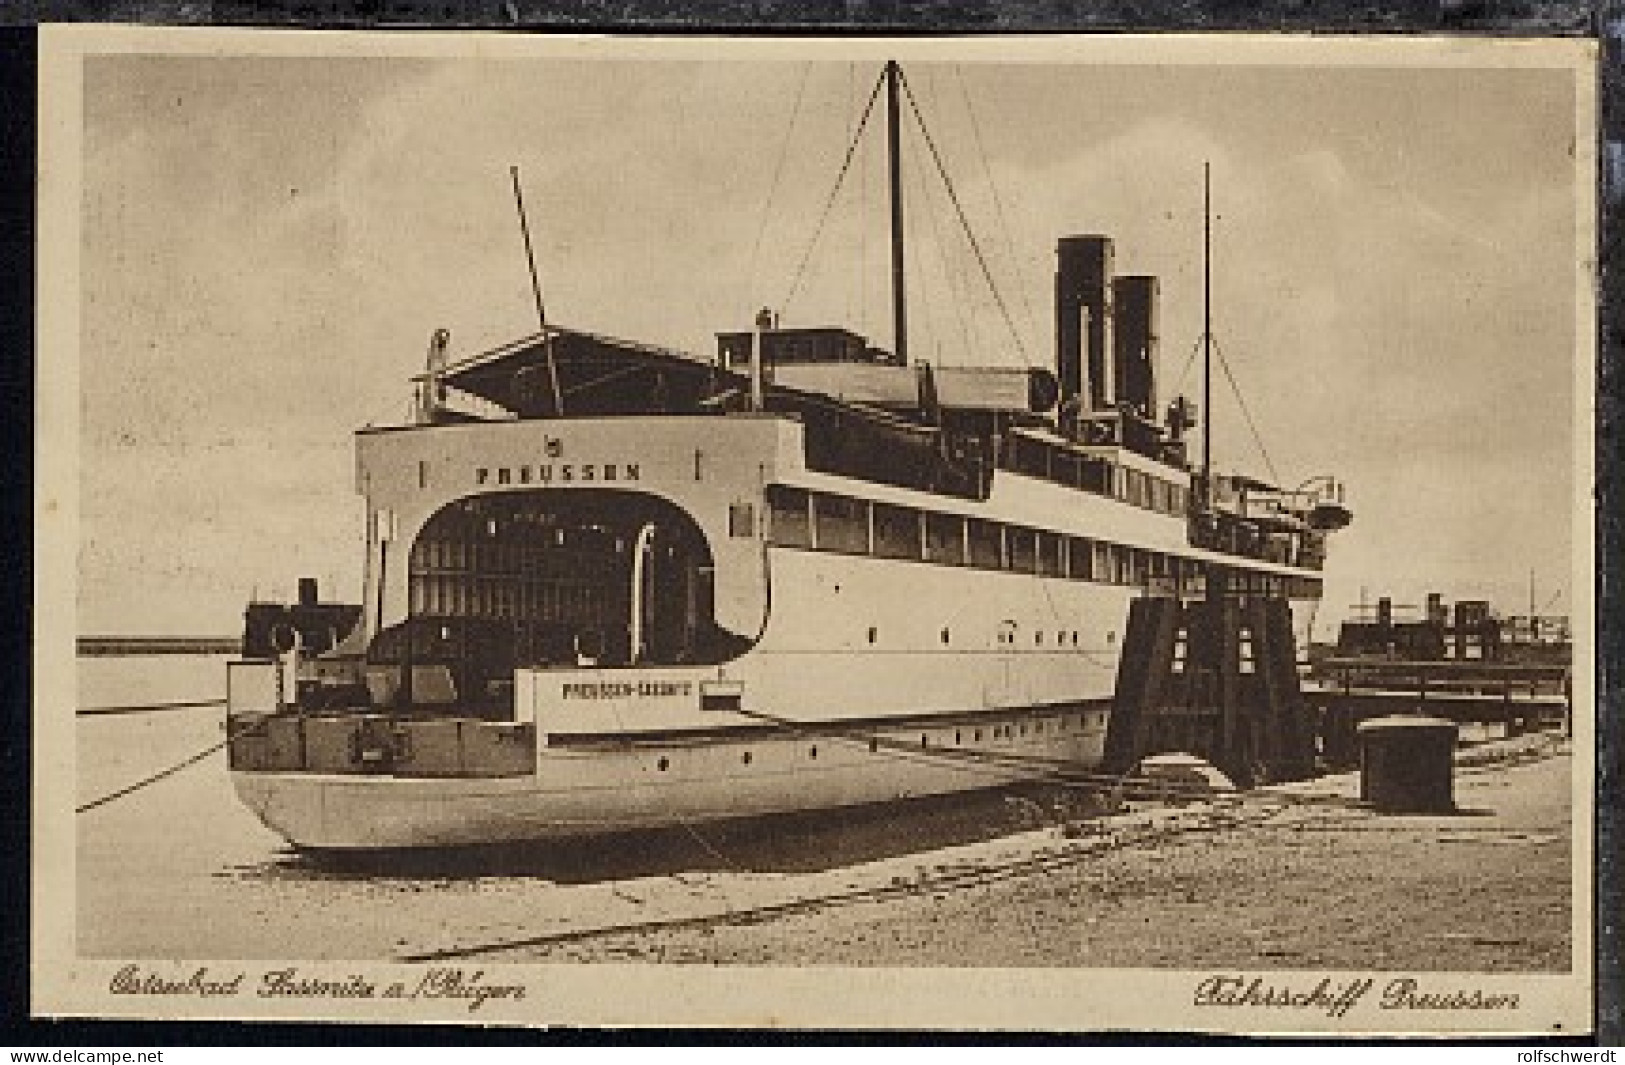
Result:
[1217,677]
[1232,697]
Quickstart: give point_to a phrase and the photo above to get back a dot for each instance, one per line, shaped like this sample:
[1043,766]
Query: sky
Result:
[268,243]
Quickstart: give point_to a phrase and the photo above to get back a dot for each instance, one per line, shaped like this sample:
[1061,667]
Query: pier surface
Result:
[181,870]
[1485,890]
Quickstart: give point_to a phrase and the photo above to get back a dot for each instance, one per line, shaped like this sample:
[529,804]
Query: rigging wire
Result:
[959,292]
[1190,360]
[964,222]
[829,204]
[998,202]
[778,173]
[1241,400]
[865,177]
[851,94]
[921,204]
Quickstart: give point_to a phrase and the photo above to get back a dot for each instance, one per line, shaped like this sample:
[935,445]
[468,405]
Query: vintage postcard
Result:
[1017,533]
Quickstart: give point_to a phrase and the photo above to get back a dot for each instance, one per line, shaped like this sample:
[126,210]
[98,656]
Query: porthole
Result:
[663,765]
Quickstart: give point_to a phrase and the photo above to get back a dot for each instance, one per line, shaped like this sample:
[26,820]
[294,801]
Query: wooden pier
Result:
[1520,697]
[105,646]
[1217,677]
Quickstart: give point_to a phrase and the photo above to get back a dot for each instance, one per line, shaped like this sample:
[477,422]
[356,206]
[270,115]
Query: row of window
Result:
[939,739]
[1037,458]
[824,522]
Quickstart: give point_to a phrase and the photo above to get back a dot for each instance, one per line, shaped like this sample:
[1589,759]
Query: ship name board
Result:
[559,473]
[646,689]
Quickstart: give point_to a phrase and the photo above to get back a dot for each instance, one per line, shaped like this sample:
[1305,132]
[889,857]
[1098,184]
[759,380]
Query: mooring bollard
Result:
[1407,764]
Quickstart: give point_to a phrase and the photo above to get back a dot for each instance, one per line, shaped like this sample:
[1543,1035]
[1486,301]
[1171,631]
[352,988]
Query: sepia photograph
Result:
[1003,533]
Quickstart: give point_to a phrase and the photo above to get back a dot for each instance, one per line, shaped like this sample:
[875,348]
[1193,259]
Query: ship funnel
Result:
[1134,337]
[1083,317]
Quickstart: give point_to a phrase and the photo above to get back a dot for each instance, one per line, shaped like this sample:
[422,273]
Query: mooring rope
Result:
[153,779]
[167,771]
[1069,773]
[950,879]
[144,708]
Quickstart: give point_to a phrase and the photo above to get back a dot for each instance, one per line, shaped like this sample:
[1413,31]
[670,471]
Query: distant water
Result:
[124,680]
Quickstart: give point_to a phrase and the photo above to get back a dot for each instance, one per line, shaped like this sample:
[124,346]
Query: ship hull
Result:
[764,638]
[594,786]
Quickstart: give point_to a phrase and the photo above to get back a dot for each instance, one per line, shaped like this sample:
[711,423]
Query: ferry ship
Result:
[611,585]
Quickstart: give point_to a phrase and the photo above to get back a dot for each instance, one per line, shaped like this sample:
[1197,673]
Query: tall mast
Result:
[1207,337]
[536,290]
[899,300]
